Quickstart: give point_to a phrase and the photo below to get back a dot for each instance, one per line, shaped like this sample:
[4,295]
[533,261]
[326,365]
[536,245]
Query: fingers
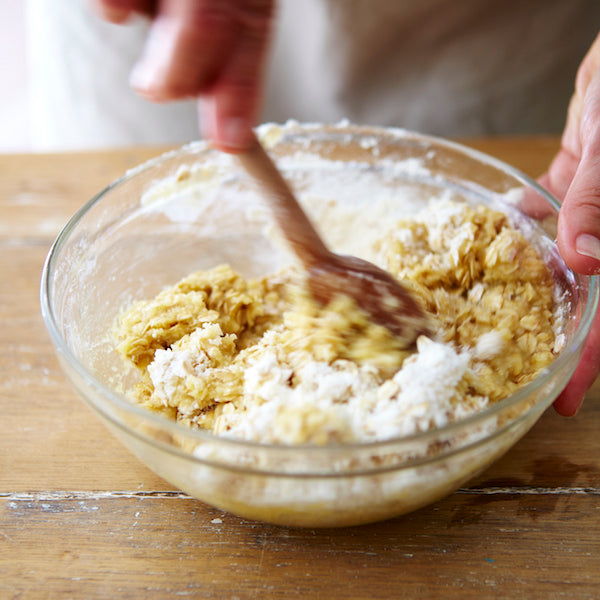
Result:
[192,42]
[189,43]
[574,176]
[229,112]
[569,401]
[579,219]
[560,174]
[210,49]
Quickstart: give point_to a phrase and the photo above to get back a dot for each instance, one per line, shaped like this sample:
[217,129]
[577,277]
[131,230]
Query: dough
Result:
[258,360]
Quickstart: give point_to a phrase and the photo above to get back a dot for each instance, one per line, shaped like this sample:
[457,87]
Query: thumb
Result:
[579,219]
[577,171]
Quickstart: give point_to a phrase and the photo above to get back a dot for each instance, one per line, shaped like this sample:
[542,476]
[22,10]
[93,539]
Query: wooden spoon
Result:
[381,296]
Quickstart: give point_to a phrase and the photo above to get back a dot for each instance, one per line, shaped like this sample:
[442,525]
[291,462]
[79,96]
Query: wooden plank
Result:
[81,517]
[530,155]
[48,438]
[469,546]
[40,192]
[556,452]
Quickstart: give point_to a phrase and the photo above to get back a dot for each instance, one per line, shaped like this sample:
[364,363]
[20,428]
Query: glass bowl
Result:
[194,208]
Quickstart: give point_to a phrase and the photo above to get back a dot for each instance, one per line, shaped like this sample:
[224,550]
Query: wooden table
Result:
[81,517]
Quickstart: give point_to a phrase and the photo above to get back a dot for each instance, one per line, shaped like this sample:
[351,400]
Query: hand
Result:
[574,178]
[213,50]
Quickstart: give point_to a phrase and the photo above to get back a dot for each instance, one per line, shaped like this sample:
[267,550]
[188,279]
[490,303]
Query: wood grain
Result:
[466,546]
[40,192]
[82,518]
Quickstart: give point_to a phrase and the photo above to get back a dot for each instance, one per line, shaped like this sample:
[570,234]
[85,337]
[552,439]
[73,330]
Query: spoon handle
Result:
[295,225]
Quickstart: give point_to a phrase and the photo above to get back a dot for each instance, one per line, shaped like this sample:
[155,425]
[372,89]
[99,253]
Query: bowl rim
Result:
[201,436]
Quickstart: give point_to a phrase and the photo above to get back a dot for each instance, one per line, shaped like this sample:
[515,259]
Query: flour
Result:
[172,366]
[349,401]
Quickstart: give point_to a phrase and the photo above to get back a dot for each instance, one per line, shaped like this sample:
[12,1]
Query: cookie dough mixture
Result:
[257,360]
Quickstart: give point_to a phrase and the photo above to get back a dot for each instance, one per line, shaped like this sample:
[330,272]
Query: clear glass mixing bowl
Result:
[149,229]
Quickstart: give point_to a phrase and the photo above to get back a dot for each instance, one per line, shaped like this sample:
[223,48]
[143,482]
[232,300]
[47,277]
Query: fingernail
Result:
[144,77]
[148,73]
[234,133]
[588,245]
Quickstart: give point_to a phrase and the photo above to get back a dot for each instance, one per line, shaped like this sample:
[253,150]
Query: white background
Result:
[14,113]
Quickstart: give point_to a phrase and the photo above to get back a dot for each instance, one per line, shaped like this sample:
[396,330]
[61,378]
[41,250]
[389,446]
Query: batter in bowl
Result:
[256,359]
